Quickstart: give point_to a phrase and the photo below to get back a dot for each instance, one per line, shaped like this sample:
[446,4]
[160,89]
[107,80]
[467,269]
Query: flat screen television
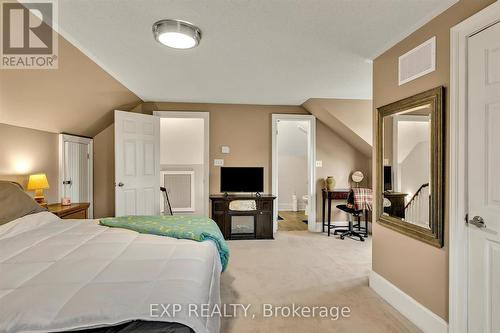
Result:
[387,178]
[242,179]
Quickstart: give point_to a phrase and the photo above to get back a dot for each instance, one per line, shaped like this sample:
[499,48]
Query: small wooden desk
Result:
[73,211]
[397,207]
[329,196]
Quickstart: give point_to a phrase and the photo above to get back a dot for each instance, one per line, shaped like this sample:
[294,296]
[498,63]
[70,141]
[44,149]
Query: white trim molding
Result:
[458,262]
[312,224]
[418,314]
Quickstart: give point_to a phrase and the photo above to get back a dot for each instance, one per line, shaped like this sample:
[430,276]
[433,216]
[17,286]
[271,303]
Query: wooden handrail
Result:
[415,195]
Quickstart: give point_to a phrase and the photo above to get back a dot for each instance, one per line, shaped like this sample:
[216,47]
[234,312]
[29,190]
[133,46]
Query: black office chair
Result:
[349,209]
[168,207]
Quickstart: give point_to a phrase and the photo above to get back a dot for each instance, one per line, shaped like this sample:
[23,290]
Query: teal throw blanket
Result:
[197,228]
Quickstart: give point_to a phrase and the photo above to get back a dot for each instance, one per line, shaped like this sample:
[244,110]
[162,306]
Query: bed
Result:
[64,275]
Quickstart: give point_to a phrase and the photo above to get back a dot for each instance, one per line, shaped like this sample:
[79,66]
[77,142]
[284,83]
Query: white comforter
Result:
[58,275]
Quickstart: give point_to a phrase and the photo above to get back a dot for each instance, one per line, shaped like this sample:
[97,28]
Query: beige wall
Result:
[354,113]
[25,151]
[340,160]
[351,119]
[77,98]
[246,129]
[418,269]
[104,173]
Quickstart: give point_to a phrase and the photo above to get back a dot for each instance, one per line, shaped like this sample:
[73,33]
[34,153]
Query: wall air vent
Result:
[180,189]
[418,62]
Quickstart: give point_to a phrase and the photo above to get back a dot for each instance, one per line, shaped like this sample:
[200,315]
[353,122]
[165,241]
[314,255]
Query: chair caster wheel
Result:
[341,237]
[362,239]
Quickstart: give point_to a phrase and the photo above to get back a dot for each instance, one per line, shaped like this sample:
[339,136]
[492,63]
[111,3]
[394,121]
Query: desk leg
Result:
[329,215]
[366,222]
[323,217]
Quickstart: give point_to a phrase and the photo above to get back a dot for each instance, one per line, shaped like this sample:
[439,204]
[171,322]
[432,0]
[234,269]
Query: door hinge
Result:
[467,218]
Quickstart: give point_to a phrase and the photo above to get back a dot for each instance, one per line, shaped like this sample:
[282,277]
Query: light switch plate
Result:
[218,162]
[319,164]
[225,149]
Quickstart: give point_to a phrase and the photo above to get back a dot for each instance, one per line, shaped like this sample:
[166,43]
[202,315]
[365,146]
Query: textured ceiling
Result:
[253,52]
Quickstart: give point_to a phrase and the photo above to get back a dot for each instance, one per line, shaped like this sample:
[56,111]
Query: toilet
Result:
[305,198]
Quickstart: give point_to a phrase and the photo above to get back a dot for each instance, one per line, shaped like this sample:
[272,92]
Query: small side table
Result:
[73,211]
[328,197]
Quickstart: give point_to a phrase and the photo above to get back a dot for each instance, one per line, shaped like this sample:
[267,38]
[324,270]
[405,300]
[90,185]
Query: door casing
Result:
[458,261]
[312,224]
[83,140]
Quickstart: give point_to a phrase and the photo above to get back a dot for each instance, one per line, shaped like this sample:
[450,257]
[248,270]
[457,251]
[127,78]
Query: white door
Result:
[484,180]
[137,164]
[75,173]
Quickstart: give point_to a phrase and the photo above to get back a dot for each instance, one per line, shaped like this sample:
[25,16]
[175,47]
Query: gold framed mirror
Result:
[410,157]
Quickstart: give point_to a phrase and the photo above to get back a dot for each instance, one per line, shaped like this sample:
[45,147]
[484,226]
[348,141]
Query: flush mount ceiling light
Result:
[177,34]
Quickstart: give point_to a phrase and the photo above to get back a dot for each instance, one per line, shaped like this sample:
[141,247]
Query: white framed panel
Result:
[180,202]
[417,62]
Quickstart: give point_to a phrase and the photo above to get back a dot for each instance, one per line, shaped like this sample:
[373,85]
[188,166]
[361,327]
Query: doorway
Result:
[292,175]
[293,172]
[184,160]
[474,173]
[76,170]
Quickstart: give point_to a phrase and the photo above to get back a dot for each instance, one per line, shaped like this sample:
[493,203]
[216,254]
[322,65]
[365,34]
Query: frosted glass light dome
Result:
[177,34]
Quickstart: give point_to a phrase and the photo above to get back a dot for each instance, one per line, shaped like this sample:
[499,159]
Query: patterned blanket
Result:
[360,198]
[197,228]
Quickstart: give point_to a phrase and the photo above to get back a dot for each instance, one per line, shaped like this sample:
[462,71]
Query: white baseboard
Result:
[418,314]
[288,206]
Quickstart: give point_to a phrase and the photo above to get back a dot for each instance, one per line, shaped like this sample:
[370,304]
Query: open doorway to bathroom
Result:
[292,175]
[293,168]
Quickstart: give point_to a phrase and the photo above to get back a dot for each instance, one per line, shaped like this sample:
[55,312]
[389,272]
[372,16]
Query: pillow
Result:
[15,203]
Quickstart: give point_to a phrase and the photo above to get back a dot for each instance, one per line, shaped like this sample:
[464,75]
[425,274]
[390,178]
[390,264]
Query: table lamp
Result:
[38,183]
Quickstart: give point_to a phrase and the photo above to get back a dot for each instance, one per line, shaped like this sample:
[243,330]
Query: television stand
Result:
[244,224]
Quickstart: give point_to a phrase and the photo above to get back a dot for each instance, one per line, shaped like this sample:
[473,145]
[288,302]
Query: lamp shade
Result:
[38,182]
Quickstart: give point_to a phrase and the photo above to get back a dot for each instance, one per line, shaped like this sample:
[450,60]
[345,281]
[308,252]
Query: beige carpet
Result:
[306,269]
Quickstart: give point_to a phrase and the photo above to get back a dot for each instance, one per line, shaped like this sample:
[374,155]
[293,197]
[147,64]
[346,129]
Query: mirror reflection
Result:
[407,165]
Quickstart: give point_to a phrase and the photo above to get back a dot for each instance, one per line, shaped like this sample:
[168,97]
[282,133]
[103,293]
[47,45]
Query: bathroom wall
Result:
[292,163]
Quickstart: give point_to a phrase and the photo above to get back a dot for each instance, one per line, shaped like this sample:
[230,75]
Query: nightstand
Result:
[73,211]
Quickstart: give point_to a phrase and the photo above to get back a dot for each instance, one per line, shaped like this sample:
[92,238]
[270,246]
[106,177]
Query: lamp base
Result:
[39,197]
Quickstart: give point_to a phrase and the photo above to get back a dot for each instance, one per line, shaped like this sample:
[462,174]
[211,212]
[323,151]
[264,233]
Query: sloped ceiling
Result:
[78,98]
[351,119]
